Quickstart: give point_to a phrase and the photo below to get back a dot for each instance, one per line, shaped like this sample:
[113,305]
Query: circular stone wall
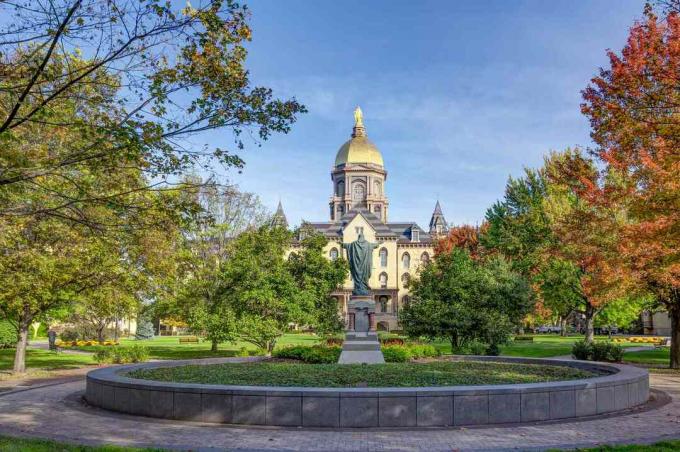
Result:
[621,388]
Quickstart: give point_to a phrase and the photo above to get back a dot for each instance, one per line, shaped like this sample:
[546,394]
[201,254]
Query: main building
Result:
[358,204]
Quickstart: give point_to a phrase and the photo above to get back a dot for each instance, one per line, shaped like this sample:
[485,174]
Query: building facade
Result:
[358,203]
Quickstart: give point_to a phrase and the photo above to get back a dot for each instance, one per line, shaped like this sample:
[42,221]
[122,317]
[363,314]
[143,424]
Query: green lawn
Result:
[42,359]
[661,356]
[662,446]
[543,346]
[9,444]
[442,373]
[168,347]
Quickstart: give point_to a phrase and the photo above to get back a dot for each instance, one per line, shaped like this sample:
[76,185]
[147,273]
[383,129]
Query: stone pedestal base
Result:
[361,344]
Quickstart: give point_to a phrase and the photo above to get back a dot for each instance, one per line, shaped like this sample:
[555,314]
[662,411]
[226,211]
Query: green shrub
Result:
[122,355]
[492,350]
[581,350]
[473,347]
[418,351]
[242,352]
[334,341]
[396,354]
[599,351]
[392,341]
[315,354]
[615,353]
[8,334]
[144,330]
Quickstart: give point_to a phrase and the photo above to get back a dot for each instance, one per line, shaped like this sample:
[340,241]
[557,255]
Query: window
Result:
[425,258]
[382,301]
[333,254]
[377,211]
[405,300]
[341,210]
[383,257]
[406,260]
[405,279]
[359,192]
[340,190]
[359,230]
[415,235]
[383,280]
[377,188]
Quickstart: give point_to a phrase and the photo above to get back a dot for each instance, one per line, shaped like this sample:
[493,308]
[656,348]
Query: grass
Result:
[661,356]
[9,444]
[441,373]
[168,347]
[543,346]
[43,359]
[661,446]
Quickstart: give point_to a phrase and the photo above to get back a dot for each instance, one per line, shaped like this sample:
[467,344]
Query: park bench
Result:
[188,340]
[662,343]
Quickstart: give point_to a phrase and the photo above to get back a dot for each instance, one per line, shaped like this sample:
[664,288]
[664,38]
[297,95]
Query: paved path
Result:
[44,345]
[56,412]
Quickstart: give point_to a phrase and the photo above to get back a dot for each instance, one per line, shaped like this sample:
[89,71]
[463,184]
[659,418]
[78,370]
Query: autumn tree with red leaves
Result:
[634,111]
[465,237]
[588,235]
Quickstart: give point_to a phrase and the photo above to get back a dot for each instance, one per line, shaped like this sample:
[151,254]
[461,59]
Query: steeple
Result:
[438,224]
[279,219]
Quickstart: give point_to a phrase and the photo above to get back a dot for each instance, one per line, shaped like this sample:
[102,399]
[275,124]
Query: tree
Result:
[149,92]
[634,111]
[465,237]
[460,299]
[520,229]
[317,277]
[588,235]
[144,329]
[258,287]
[226,212]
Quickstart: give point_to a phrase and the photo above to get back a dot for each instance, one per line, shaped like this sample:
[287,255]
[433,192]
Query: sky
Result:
[457,95]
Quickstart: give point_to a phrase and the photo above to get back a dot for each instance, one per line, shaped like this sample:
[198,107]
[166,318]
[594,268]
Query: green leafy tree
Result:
[317,277]
[226,212]
[461,300]
[258,287]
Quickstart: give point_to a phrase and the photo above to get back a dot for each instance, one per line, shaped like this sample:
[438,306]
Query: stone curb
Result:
[621,388]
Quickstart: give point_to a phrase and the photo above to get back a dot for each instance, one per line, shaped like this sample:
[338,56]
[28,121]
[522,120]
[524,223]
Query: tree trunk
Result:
[590,323]
[100,332]
[675,337]
[22,342]
[213,346]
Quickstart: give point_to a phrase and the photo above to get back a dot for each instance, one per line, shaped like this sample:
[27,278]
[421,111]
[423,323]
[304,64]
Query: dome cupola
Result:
[358,149]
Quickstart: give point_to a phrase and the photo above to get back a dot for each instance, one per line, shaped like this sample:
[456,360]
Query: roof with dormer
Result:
[402,232]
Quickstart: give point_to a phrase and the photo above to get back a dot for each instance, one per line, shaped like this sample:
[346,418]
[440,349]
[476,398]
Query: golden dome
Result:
[358,149]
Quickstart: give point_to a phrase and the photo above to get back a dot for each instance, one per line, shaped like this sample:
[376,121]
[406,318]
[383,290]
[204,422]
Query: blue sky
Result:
[456,95]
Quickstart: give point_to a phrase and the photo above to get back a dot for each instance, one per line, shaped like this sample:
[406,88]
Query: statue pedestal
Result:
[361,344]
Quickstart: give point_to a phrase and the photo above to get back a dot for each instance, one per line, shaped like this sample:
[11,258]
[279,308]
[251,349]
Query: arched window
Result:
[424,258]
[340,190]
[405,279]
[382,301]
[333,254]
[406,260]
[383,280]
[377,188]
[358,192]
[405,300]
[377,211]
[383,257]
[341,210]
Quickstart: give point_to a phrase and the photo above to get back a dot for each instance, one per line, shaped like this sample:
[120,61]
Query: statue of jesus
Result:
[360,257]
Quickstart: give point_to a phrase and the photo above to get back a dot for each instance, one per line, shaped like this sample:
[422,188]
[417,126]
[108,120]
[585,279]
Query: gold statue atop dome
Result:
[358,117]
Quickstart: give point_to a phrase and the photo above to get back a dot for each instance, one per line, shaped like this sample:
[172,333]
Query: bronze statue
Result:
[360,257]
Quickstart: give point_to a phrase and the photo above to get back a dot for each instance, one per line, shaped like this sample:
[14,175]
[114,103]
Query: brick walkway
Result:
[55,412]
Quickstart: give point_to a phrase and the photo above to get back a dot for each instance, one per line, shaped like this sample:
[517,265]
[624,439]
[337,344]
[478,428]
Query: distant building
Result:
[358,203]
[656,323]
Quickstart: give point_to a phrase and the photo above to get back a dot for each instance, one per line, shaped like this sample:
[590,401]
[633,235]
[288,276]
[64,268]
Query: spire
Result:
[359,130]
[279,219]
[438,224]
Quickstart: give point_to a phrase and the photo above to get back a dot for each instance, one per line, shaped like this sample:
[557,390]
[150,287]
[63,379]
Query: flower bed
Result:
[67,344]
